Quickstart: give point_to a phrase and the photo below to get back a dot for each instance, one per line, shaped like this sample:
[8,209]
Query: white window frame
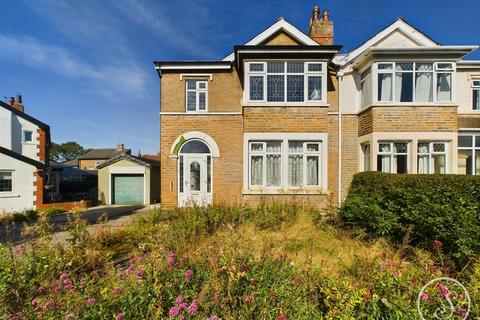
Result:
[23,136]
[12,172]
[436,70]
[368,71]
[475,87]
[263,153]
[285,137]
[472,148]
[392,154]
[197,91]
[264,74]
[430,153]
[366,153]
[305,153]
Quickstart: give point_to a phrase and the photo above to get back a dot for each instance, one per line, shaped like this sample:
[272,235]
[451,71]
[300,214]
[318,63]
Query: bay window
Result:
[432,157]
[413,82]
[392,157]
[285,81]
[476,95]
[366,87]
[469,153]
[196,95]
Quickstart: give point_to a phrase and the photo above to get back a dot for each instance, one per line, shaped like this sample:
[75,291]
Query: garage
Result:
[129,180]
[128,189]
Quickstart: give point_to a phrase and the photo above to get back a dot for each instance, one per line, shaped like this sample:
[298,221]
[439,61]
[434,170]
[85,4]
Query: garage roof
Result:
[141,161]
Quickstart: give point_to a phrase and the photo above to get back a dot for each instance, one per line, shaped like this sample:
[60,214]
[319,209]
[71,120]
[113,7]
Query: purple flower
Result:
[192,308]
[188,274]
[91,300]
[35,302]
[117,290]
[171,258]
[69,316]
[179,300]
[174,311]
[182,306]
[423,296]
[213,318]
[63,276]
[444,292]
[282,317]
[140,273]
[119,316]
[248,298]
[48,305]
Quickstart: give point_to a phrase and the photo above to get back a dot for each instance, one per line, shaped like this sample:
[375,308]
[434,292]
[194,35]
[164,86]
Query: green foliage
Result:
[66,151]
[435,207]
[53,211]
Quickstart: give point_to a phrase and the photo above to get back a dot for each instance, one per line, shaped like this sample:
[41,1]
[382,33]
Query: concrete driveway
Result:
[125,213]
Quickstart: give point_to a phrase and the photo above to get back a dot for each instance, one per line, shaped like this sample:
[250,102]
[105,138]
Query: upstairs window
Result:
[286,81]
[27,136]
[476,95]
[413,81]
[196,95]
[366,87]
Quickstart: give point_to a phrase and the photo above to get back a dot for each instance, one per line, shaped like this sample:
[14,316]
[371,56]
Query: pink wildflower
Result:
[117,290]
[423,296]
[282,317]
[69,316]
[140,273]
[444,292]
[193,308]
[129,269]
[35,302]
[248,298]
[119,316]
[48,305]
[437,243]
[70,288]
[188,274]
[180,300]
[63,276]
[174,311]
[91,300]
[40,290]
[213,318]
[171,258]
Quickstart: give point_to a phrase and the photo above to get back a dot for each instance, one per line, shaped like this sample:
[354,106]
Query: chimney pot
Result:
[321,28]
[120,146]
[19,98]
[11,101]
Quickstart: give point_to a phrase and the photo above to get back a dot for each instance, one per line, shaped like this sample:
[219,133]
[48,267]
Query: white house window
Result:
[366,87]
[432,157]
[265,164]
[476,95]
[392,157]
[366,156]
[6,181]
[414,81]
[27,136]
[303,164]
[196,95]
[469,154]
[286,81]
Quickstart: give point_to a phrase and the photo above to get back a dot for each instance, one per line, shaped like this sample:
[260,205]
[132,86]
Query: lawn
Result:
[274,262]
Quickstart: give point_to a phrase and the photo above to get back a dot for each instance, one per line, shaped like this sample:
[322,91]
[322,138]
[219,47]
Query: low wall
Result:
[67,206]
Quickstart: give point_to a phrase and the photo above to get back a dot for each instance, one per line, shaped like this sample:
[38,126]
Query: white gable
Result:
[398,34]
[280,25]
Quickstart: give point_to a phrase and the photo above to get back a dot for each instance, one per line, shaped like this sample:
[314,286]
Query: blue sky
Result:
[85,67]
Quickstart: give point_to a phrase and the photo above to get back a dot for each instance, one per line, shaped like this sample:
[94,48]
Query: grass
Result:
[273,262]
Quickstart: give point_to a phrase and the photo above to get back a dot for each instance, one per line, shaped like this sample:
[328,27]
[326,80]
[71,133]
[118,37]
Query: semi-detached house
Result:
[287,117]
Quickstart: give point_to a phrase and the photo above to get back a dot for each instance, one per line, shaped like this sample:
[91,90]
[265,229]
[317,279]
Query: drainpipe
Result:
[339,192]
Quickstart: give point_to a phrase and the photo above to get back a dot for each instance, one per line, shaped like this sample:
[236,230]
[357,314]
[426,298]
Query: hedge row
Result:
[436,207]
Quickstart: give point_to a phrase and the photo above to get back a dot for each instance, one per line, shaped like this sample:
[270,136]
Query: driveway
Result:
[12,232]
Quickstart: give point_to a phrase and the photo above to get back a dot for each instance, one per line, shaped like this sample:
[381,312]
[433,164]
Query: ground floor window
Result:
[286,163]
[6,181]
[392,157]
[366,156]
[432,157]
[469,153]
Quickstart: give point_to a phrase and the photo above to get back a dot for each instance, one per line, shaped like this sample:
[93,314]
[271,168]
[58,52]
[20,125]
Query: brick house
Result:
[287,117]
[24,150]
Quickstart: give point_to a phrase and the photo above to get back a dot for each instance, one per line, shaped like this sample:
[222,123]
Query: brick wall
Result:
[89,164]
[470,121]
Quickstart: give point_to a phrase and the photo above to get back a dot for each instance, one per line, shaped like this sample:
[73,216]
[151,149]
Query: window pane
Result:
[315,67]
[258,67]
[385,66]
[273,167]
[202,101]
[6,182]
[465,164]
[191,101]
[383,163]
[191,85]
[423,147]
[477,162]
[312,170]
[274,146]
[439,147]
[444,87]
[275,88]
[295,170]
[256,170]
[384,87]
[401,163]
[194,146]
[465,141]
[256,147]
[424,66]
[256,88]
[400,147]
[202,85]
[295,146]
[275,67]
[366,90]
[445,66]
[439,164]
[295,88]
[423,164]
[384,147]
[477,141]
[195,176]
[209,174]
[312,147]
[404,66]
[476,100]
[424,86]
[295,67]
[315,88]
[180,182]
[27,136]
[404,87]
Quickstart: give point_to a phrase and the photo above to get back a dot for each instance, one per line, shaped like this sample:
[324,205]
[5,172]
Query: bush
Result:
[434,207]
[53,211]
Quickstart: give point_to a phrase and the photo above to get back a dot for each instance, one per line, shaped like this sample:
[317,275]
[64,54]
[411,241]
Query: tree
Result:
[66,151]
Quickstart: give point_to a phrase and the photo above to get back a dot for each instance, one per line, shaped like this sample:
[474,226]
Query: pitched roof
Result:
[141,161]
[20,157]
[103,154]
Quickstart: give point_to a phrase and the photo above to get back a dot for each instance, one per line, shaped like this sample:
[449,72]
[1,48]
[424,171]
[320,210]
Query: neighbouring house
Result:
[71,163]
[94,157]
[126,179]
[287,117]
[24,150]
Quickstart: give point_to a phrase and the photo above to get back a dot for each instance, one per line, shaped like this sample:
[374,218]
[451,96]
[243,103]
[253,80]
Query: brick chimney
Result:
[16,102]
[321,27]
[120,147]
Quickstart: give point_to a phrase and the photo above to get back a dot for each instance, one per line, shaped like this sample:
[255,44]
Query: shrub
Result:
[445,208]
[52,211]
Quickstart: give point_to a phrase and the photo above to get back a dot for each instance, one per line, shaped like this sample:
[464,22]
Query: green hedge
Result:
[437,207]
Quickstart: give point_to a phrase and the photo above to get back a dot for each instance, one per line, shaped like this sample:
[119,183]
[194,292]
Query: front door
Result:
[194,180]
